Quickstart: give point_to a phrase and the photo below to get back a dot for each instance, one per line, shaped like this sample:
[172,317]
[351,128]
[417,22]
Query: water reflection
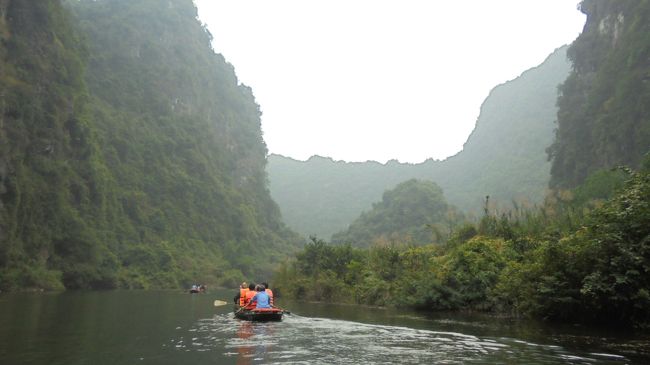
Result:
[255,342]
[245,351]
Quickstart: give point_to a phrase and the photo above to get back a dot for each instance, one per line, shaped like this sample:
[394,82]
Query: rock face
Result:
[603,117]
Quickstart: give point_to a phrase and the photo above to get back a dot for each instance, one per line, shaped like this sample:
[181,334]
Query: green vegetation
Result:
[414,212]
[130,155]
[604,114]
[504,157]
[581,256]
[568,260]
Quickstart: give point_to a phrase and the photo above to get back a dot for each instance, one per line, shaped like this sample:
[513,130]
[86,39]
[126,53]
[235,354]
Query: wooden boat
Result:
[259,314]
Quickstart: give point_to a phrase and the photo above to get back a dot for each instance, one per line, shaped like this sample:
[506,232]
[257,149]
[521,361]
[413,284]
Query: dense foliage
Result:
[47,154]
[503,157]
[131,155]
[604,108]
[415,212]
[579,258]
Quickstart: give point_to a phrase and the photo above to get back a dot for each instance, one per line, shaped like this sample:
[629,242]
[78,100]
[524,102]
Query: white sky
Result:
[361,80]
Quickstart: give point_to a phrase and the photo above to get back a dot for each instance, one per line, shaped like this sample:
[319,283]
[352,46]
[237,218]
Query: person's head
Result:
[251,286]
[266,285]
[259,287]
[244,285]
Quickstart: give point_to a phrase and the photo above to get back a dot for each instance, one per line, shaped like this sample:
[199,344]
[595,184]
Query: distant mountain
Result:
[604,107]
[130,154]
[504,157]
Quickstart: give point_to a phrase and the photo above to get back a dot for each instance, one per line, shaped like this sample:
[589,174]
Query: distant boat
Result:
[259,314]
[197,289]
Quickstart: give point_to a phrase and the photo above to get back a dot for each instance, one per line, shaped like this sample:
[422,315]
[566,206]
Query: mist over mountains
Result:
[132,157]
[581,256]
[504,158]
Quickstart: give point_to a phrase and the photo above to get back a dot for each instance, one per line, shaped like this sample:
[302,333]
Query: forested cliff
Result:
[131,156]
[604,108]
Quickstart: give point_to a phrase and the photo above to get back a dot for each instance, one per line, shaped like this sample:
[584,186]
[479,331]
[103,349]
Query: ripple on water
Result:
[324,341]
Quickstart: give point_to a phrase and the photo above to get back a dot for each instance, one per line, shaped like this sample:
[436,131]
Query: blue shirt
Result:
[262,300]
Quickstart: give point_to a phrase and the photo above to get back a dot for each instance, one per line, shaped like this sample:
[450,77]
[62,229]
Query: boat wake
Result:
[304,340]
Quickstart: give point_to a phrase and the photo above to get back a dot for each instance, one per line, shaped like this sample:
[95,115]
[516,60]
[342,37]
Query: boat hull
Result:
[259,315]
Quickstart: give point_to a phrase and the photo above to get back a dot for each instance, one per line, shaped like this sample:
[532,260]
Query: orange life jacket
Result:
[270,293]
[249,295]
[242,296]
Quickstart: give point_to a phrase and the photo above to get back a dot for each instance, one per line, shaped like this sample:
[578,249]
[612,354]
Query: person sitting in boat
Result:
[269,292]
[241,296]
[261,299]
[250,293]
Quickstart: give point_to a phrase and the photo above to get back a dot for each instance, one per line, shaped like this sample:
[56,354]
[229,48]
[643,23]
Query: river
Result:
[171,327]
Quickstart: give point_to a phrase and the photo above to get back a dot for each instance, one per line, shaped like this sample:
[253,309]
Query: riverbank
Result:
[567,261]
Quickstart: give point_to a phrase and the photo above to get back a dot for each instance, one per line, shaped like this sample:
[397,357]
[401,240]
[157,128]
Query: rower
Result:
[241,296]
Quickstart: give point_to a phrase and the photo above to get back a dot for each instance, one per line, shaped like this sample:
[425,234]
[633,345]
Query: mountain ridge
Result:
[514,107]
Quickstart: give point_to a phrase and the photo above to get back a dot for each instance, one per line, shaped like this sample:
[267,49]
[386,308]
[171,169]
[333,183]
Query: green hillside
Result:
[131,155]
[569,260]
[504,157]
[414,211]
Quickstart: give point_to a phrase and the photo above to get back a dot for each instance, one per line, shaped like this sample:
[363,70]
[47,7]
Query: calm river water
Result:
[166,327]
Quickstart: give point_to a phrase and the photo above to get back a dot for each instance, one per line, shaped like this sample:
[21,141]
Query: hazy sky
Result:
[361,80]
